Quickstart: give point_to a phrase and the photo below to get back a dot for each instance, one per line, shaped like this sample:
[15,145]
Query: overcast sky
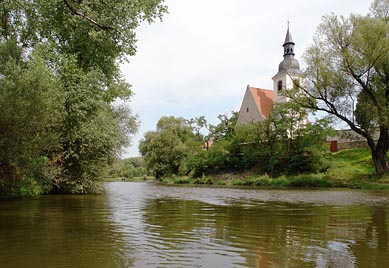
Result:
[200,58]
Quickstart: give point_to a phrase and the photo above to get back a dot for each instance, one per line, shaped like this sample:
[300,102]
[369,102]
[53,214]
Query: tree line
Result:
[273,146]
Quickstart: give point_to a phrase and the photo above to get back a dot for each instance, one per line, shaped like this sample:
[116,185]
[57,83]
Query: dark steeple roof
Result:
[289,64]
[288,44]
[288,37]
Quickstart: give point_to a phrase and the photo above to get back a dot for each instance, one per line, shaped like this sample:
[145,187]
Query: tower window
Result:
[279,85]
[247,110]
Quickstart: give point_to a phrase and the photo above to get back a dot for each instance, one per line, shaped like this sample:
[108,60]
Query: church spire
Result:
[288,44]
[289,64]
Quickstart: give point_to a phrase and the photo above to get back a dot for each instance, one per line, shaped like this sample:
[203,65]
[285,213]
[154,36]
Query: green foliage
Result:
[309,180]
[63,105]
[350,164]
[166,148]
[128,168]
[298,181]
[281,144]
[93,130]
[22,188]
[29,114]
[347,70]
[204,181]
[182,180]
[347,168]
[225,129]
[215,159]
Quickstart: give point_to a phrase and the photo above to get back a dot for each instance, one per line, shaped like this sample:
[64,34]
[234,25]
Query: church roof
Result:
[264,99]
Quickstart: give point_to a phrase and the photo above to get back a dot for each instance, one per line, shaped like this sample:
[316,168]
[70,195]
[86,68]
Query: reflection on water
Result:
[147,225]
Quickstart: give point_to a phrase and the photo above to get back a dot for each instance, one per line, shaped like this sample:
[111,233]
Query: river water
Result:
[149,225]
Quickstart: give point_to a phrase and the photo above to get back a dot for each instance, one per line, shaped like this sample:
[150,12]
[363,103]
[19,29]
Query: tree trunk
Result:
[378,152]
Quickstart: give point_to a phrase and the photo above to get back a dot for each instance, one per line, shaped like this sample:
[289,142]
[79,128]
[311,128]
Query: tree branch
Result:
[330,110]
[96,23]
[82,15]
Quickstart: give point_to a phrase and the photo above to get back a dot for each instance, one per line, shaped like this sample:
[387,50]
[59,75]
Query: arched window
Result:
[247,110]
[279,85]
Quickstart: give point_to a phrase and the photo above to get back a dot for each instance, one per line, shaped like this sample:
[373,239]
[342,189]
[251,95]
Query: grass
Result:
[303,180]
[351,168]
[348,167]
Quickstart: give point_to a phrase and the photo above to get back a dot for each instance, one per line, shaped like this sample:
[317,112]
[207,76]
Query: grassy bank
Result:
[133,179]
[351,168]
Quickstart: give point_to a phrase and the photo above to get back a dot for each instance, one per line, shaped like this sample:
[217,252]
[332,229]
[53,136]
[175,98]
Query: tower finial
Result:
[288,20]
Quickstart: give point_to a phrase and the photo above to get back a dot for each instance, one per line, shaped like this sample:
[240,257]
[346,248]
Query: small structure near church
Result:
[257,102]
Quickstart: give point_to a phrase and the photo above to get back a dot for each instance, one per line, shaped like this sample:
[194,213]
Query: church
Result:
[257,102]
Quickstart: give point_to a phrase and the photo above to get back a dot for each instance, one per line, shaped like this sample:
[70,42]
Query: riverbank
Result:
[298,181]
[351,168]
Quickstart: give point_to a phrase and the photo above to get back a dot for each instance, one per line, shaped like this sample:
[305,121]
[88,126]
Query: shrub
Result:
[309,180]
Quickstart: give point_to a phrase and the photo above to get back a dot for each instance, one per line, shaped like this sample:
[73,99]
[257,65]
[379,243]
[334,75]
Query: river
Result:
[148,225]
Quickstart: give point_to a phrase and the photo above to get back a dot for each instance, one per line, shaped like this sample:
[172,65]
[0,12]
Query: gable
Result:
[256,105]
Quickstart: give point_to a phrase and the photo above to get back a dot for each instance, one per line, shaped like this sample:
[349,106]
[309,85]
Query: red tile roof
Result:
[264,99]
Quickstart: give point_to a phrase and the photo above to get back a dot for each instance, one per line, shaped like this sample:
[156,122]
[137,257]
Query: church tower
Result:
[289,72]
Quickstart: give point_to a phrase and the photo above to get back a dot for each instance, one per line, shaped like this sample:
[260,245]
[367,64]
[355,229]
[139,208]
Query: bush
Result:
[19,189]
[309,180]
[181,181]
[205,180]
[262,181]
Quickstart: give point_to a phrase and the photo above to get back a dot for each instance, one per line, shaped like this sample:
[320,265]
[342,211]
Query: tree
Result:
[128,168]
[283,143]
[197,124]
[30,111]
[226,127]
[79,45]
[165,149]
[348,76]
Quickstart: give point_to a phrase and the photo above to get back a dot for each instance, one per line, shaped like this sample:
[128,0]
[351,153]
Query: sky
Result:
[200,58]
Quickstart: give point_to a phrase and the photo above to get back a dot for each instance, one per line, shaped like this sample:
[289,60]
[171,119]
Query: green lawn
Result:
[350,165]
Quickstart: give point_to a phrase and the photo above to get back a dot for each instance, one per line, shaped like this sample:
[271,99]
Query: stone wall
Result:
[346,139]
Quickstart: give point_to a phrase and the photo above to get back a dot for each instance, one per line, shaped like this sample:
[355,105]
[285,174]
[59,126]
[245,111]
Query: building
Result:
[257,102]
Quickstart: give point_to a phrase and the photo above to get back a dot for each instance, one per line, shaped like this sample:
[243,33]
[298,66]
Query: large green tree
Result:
[80,99]
[30,113]
[348,76]
[165,149]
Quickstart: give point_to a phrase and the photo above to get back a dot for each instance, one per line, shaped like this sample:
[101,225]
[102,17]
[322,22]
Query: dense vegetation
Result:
[274,146]
[348,76]
[129,169]
[352,168]
[64,111]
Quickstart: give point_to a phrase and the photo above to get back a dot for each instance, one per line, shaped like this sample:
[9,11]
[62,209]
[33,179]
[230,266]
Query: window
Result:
[279,85]
[247,110]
